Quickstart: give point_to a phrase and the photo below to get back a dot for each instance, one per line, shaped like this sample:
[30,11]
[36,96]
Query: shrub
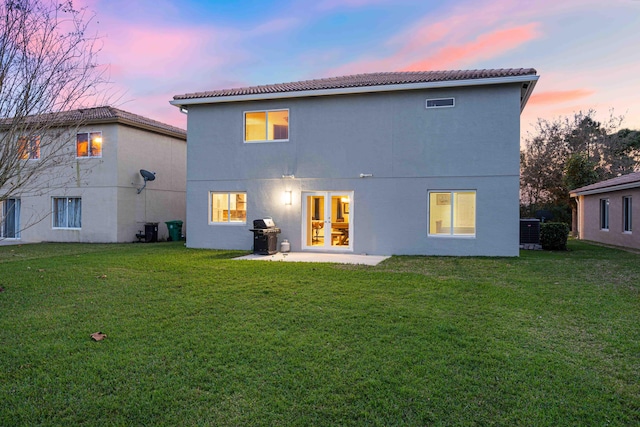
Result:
[554,235]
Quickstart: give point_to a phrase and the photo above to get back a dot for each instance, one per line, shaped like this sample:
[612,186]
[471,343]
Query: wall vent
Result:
[441,102]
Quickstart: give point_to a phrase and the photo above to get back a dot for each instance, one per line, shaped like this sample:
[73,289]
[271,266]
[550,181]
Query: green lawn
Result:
[194,339]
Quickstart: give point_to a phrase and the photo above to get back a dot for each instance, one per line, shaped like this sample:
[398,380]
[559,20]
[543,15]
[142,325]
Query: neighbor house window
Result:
[29,148]
[10,219]
[452,213]
[67,212]
[604,214]
[227,207]
[261,126]
[626,214]
[89,144]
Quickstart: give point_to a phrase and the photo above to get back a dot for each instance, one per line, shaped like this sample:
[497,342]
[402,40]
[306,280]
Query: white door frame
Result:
[327,245]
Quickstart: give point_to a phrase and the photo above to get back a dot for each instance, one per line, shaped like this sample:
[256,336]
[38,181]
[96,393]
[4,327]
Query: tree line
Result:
[571,152]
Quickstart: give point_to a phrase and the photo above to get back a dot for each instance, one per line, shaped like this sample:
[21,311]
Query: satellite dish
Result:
[147,176]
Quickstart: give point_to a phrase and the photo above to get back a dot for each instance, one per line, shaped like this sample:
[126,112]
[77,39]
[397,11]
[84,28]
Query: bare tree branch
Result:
[48,67]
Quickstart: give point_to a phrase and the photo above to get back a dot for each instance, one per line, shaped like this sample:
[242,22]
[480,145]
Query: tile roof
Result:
[364,80]
[603,186]
[108,114]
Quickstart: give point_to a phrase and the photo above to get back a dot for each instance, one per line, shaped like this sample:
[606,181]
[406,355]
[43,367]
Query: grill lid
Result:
[263,223]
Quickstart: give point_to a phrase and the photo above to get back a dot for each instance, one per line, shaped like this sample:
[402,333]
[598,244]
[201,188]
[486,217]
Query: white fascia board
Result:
[528,91]
[620,187]
[362,89]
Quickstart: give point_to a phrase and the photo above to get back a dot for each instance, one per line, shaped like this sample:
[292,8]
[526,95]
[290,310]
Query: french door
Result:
[327,220]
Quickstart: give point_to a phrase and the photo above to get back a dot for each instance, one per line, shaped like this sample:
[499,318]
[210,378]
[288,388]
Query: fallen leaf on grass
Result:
[98,336]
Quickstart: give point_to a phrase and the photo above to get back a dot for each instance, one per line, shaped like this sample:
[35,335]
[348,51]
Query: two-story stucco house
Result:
[94,195]
[384,163]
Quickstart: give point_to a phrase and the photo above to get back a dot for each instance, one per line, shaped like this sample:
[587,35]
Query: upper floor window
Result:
[626,214]
[89,144]
[452,213]
[227,207]
[604,214]
[67,212]
[262,126]
[29,148]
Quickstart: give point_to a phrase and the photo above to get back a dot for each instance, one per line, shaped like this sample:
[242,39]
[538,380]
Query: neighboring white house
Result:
[384,163]
[606,211]
[96,198]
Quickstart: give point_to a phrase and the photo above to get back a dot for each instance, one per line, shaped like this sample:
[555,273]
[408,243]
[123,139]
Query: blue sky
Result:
[587,52]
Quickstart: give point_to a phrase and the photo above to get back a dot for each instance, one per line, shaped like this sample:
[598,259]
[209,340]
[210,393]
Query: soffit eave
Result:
[627,186]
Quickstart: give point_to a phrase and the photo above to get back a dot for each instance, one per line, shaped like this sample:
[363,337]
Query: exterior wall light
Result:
[366,175]
[287,198]
[288,176]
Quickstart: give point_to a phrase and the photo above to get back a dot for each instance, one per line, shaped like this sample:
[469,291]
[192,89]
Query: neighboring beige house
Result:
[97,197]
[606,211]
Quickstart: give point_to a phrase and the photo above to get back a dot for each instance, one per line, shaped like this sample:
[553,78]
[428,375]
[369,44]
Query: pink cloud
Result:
[559,96]
[154,52]
[416,54]
[167,59]
[461,34]
[484,46]
[453,37]
[453,25]
[424,36]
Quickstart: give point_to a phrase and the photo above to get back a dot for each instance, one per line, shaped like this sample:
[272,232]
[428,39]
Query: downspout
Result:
[576,220]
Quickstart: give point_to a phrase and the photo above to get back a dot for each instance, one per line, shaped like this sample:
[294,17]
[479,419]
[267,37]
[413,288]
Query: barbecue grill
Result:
[265,236]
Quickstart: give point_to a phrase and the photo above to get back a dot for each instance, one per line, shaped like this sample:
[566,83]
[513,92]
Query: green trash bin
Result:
[175,230]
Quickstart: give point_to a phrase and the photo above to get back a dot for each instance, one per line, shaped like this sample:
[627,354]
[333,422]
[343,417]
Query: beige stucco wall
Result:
[98,217]
[589,218]
[164,198]
[112,211]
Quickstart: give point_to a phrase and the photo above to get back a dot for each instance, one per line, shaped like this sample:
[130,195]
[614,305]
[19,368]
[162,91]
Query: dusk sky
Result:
[587,52]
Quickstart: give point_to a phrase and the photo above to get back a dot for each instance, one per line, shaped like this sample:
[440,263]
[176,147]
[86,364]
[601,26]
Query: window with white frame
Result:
[67,212]
[227,207]
[89,144]
[29,148]
[452,213]
[10,219]
[626,214]
[604,214]
[268,125]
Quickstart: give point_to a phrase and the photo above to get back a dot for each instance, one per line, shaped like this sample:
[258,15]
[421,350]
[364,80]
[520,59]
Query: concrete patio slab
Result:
[317,257]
